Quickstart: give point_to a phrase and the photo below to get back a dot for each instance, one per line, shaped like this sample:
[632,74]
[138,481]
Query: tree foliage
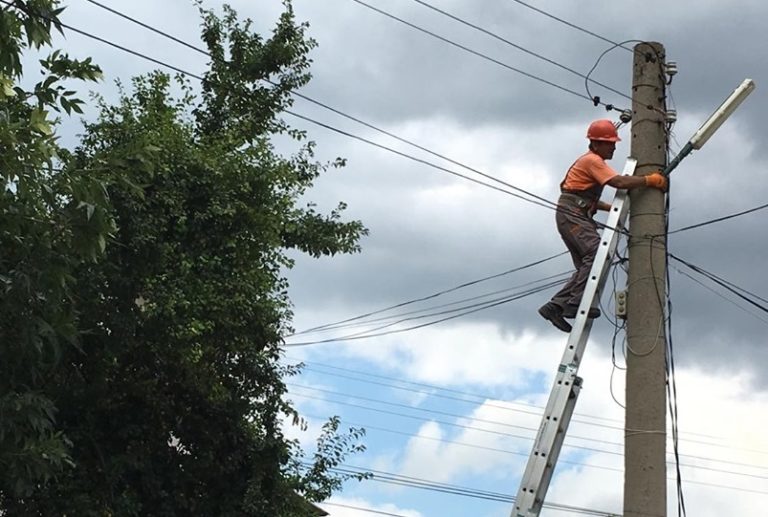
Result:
[51,222]
[158,258]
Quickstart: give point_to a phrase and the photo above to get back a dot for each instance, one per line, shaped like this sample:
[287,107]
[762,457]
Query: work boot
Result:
[571,310]
[553,313]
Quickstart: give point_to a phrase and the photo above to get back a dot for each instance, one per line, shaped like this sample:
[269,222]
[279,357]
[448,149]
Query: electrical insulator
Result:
[626,116]
[671,116]
[621,304]
[670,67]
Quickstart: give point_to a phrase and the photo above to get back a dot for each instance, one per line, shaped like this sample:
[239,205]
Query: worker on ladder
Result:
[579,201]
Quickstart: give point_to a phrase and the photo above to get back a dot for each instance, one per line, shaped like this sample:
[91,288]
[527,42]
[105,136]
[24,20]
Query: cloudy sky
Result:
[453,407]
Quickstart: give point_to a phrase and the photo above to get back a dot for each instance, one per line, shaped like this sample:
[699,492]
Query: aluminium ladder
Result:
[565,391]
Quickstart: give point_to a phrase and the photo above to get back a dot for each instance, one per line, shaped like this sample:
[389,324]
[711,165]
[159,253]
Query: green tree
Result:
[174,400]
[52,220]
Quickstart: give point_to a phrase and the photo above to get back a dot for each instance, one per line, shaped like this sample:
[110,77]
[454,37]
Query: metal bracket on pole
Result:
[565,391]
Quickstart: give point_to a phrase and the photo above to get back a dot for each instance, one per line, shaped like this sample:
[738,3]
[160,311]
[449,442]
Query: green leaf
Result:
[39,123]
[6,87]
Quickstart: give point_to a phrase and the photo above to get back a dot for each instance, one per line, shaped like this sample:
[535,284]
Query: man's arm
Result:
[654,180]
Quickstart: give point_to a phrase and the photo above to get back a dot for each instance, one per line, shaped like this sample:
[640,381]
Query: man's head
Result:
[603,136]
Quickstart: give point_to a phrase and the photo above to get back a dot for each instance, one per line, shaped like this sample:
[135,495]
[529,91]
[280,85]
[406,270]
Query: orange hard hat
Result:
[603,130]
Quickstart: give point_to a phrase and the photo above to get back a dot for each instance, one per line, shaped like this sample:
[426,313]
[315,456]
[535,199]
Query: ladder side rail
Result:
[549,471]
[567,384]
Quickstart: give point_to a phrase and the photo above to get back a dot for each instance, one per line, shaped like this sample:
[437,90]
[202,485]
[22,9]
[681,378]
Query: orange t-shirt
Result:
[589,171]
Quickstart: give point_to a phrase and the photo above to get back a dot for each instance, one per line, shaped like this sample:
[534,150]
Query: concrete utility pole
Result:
[645,473]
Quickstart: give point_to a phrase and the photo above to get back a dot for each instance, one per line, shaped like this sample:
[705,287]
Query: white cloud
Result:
[473,353]
[720,410]
[355,507]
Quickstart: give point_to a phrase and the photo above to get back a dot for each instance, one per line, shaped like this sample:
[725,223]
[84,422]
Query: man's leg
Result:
[553,310]
[581,237]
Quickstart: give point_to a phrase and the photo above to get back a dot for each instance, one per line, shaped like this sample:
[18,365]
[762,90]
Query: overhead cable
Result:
[484,401]
[360,509]
[725,284]
[541,201]
[505,434]
[415,482]
[475,52]
[519,47]
[434,295]
[720,295]
[339,112]
[469,310]
[370,321]
[719,219]
[572,25]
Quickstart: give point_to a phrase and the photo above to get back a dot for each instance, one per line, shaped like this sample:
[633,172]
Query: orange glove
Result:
[656,180]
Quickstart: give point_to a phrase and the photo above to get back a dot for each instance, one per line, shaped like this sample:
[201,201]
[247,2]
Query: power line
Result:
[461,444]
[546,203]
[572,25]
[724,283]
[433,295]
[156,61]
[485,398]
[716,293]
[719,219]
[588,465]
[476,53]
[360,508]
[543,201]
[554,278]
[519,47]
[149,27]
[415,482]
[421,483]
[339,112]
[437,412]
[506,434]
[469,310]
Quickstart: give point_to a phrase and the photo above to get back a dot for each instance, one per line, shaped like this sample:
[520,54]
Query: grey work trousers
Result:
[579,233]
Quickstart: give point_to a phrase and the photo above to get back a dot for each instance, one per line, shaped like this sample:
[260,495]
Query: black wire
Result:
[714,291]
[505,408]
[494,422]
[596,100]
[478,308]
[558,276]
[474,52]
[672,380]
[519,47]
[723,283]
[720,219]
[360,508]
[149,27]
[433,295]
[550,204]
[484,398]
[482,305]
[332,109]
[572,25]
[413,482]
